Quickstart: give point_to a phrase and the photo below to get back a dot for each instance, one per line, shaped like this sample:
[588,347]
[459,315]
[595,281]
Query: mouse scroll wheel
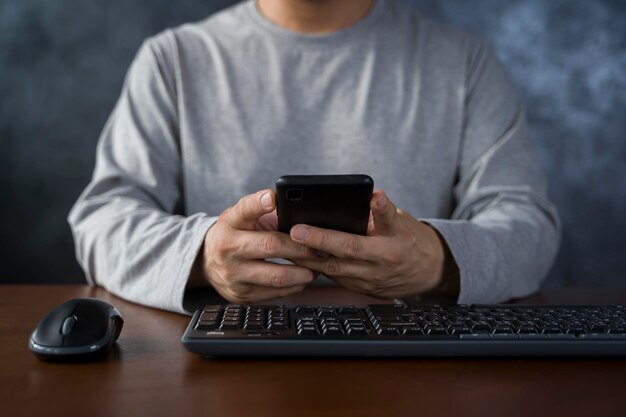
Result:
[68,325]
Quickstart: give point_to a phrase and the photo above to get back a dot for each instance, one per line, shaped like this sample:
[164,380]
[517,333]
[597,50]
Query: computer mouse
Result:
[79,329]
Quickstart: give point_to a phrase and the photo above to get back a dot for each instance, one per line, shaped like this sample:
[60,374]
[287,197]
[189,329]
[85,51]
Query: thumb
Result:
[249,209]
[384,212]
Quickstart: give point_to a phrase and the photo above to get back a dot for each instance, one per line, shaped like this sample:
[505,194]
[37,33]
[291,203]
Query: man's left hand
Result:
[399,256]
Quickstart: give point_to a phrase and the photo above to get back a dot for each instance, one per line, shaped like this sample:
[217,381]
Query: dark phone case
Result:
[338,202]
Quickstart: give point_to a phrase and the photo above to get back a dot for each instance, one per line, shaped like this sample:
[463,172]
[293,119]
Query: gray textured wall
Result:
[62,63]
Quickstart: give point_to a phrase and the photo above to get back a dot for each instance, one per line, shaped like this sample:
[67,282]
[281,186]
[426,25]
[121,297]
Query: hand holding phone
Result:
[232,259]
[399,256]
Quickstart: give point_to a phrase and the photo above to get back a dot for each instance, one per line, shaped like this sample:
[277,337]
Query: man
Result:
[217,110]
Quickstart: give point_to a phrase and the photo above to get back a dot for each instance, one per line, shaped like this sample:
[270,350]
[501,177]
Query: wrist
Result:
[198,276]
[445,271]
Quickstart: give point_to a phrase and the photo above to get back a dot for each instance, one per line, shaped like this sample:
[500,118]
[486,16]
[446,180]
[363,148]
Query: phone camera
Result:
[294,194]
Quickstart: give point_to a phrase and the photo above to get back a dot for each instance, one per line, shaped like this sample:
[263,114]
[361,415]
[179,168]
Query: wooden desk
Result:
[151,374]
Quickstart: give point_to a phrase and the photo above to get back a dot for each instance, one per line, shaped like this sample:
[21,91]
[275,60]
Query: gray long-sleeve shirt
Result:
[218,109]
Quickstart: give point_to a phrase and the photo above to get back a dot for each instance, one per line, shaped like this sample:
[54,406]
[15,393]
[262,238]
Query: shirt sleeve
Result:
[129,238]
[504,232]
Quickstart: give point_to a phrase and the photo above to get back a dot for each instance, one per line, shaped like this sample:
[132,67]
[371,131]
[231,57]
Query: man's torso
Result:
[384,98]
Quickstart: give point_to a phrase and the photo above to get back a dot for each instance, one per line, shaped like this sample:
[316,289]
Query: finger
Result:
[340,244]
[370,224]
[263,245]
[245,214]
[267,274]
[384,212]
[334,267]
[268,222]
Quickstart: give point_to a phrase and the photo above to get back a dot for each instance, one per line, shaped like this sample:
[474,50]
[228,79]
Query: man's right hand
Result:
[233,257]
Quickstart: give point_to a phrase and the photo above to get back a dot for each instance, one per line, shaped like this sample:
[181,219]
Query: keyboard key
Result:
[354,322]
[504,336]
[618,330]
[277,314]
[474,336]
[562,336]
[385,331]
[397,323]
[308,330]
[253,326]
[206,325]
[333,319]
[233,309]
[332,330]
[598,328]
[358,331]
[459,330]
[348,310]
[205,316]
[435,330]
[503,330]
[230,325]
[594,336]
[552,330]
[277,325]
[305,309]
[255,318]
[481,326]
[576,330]
[412,330]
[212,308]
[532,336]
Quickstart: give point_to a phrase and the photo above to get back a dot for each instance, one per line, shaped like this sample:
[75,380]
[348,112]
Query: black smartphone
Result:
[338,202]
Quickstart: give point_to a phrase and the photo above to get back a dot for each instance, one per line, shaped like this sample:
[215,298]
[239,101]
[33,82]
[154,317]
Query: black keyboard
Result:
[404,331]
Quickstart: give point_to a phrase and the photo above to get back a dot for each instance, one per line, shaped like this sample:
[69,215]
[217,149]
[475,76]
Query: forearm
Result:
[136,251]
[502,252]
